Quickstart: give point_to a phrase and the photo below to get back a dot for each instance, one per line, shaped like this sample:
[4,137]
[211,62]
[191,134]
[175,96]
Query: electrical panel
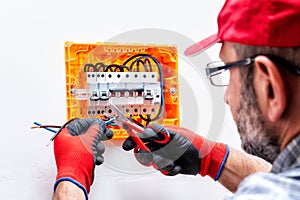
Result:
[142,80]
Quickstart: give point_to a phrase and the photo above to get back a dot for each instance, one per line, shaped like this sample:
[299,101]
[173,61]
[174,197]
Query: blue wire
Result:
[108,122]
[49,129]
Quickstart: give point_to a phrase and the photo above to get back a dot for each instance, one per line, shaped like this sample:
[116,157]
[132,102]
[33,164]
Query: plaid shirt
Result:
[283,182]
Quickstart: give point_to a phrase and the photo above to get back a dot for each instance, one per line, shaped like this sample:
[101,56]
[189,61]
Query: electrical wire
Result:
[161,108]
[137,60]
[149,64]
[109,67]
[125,67]
[88,66]
[109,122]
[47,127]
[138,66]
[100,67]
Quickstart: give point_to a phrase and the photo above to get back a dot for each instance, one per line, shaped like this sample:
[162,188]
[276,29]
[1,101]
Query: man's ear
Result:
[270,88]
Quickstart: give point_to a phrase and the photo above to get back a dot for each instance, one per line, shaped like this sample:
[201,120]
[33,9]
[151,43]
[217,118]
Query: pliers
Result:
[132,129]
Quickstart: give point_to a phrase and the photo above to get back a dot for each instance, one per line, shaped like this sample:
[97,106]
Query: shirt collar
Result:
[289,157]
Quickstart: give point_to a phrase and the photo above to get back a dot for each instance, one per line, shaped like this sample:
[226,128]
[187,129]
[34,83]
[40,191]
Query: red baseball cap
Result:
[272,23]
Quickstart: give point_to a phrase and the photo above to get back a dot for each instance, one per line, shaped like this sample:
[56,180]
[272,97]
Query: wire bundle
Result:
[136,63]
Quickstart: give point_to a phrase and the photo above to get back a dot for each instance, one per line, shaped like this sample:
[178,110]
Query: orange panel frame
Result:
[77,55]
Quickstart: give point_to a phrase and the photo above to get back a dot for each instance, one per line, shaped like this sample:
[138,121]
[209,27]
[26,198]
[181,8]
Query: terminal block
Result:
[142,80]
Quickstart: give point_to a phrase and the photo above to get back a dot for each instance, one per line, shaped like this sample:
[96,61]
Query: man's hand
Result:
[185,152]
[77,149]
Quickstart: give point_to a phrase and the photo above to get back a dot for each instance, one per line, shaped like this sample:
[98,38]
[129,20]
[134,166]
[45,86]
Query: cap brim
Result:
[201,46]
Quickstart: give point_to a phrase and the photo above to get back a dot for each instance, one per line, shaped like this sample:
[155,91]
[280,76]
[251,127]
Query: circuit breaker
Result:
[142,80]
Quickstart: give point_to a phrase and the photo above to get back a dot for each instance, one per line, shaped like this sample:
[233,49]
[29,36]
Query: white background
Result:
[32,83]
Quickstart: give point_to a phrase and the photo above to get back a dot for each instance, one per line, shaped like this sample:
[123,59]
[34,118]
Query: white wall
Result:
[32,83]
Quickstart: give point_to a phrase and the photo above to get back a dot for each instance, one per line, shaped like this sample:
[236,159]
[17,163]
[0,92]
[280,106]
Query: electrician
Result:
[260,49]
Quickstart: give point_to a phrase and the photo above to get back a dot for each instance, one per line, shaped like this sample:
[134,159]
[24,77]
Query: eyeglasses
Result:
[219,75]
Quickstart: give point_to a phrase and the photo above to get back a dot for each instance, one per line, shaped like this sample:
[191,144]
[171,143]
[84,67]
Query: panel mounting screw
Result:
[172,90]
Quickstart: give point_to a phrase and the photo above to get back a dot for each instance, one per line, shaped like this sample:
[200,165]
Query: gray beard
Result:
[256,138]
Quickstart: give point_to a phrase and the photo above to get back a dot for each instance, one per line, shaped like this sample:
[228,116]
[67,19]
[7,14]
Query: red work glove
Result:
[185,152]
[77,148]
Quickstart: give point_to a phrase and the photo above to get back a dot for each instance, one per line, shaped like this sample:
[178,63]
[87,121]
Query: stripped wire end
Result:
[50,142]
[48,127]
[33,127]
